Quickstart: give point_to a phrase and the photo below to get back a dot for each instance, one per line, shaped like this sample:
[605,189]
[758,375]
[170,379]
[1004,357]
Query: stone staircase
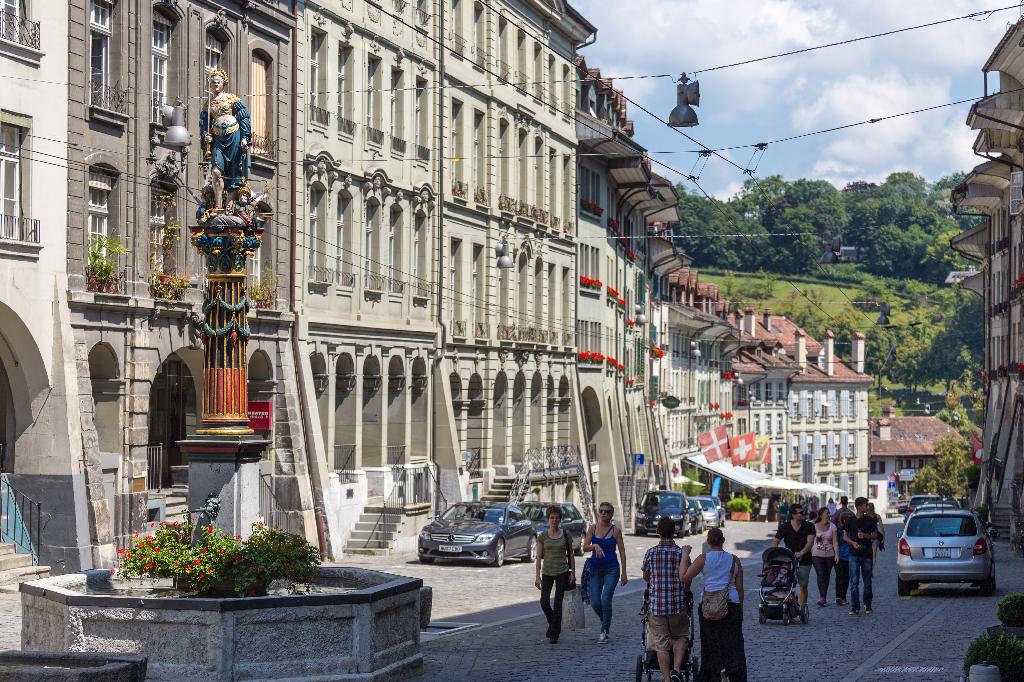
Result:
[17,568]
[1001,518]
[374,534]
[175,502]
[500,490]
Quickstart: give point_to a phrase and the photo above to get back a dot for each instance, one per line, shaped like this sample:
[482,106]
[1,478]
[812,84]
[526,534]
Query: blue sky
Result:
[801,93]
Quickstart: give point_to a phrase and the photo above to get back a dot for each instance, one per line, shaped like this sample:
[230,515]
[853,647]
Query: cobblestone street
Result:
[922,637]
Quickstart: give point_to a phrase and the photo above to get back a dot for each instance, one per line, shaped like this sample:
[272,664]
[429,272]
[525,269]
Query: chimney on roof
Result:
[887,409]
[858,352]
[768,319]
[801,349]
[749,323]
[884,428]
[829,349]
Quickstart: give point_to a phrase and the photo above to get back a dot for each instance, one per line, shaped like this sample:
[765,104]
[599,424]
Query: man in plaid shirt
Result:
[668,623]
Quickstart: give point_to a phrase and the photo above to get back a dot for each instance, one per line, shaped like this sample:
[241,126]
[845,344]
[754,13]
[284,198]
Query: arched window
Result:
[213,57]
[260,103]
[161,55]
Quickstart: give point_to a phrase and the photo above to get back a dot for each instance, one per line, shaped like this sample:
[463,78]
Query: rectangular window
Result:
[778,424]
[422,118]
[372,93]
[757,424]
[157,224]
[340,238]
[419,266]
[161,46]
[454,276]
[479,151]
[10,180]
[317,229]
[214,50]
[477,286]
[100,12]
[369,237]
[259,104]
[344,80]
[396,97]
[504,163]
[538,173]
[100,187]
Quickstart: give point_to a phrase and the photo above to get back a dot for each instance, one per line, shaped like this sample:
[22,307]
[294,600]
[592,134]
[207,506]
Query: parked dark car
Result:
[479,531]
[695,516]
[658,503]
[572,521]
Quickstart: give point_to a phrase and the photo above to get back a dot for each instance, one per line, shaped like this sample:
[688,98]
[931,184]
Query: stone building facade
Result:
[618,197]
[993,189]
[508,170]
[133,277]
[38,388]
[367,88]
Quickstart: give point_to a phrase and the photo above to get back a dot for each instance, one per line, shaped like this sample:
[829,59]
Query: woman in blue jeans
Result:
[606,569]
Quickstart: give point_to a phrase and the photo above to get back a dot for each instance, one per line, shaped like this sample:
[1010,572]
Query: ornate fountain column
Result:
[224,455]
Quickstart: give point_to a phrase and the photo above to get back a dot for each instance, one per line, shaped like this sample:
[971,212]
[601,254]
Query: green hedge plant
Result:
[1011,610]
[740,505]
[1006,652]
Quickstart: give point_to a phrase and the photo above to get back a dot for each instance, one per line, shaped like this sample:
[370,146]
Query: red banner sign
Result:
[261,414]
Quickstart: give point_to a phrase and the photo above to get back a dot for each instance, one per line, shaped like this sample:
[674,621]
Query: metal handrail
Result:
[19,229]
[155,459]
[270,508]
[20,520]
[19,29]
[109,97]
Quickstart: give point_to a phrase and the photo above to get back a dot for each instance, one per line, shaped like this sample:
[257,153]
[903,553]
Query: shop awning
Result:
[747,478]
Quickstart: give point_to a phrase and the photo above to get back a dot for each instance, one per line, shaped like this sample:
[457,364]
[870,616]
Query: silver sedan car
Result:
[944,546]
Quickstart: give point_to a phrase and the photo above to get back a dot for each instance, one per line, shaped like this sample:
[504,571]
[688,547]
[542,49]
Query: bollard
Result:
[982,672]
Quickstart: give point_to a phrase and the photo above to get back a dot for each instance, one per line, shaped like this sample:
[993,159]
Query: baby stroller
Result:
[647,662]
[778,588]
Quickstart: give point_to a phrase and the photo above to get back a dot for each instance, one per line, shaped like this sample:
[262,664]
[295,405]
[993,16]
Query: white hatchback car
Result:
[945,546]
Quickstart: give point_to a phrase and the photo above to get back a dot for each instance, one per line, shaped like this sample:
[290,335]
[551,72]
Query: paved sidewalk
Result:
[919,638]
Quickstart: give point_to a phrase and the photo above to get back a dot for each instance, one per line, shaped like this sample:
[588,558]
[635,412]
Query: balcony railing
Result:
[319,115]
[320,274]
[264,146]
[568,338]
[422,17]
[480,197]
[422,289]
[396,286]
[459,328]
[504,71]
[155,461]
[506,203]
[481,330]
[458,45]
[374,136]
[344,456]
[109,97]
[398,145]
[520,80]
[345,125]
[19,229]
[508,332]
[374,282]
[460,189]
[18,29]
[480,57]
[400,6]
[422,153]
[396,455]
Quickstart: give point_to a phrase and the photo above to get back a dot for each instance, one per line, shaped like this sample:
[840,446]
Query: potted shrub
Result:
[1003,651]
[263,292]
[101,268]
[739,508]
[167,287]
[1010,612]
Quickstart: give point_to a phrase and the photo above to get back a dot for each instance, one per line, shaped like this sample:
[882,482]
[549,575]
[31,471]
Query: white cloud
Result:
[819,89]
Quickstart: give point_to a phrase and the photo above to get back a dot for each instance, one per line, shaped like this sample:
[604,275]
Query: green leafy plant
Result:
[1011,610]
[100,269]
[1006,652]
[167,287]
[740,505]
[263,291]
[691,489]
[211,560]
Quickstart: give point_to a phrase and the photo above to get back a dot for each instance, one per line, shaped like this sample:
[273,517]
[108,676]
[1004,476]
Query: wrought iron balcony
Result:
[480,197]
[508,332]
[480,57]
[458,45]
[504,71]
[506,203]
[346,126]
[459,328]
[398,145]
[460,189]
[264,146]
[374,136]
[109,97]
[319,115]
[422,17]
[422,153]
[18,29]
[520,80]
[422,289]
[481,330]
[19,229]
[401,6]
[344,456]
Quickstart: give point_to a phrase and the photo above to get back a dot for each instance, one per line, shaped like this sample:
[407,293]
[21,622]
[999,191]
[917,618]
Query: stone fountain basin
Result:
[367,631]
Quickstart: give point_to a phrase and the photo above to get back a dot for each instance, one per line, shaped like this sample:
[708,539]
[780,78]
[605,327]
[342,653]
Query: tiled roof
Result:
[909,436]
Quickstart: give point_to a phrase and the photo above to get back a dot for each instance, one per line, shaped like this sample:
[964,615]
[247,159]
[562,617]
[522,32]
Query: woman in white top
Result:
[824,552]
[721,641]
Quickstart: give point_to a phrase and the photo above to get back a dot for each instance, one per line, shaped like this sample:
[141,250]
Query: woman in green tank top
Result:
[555,565]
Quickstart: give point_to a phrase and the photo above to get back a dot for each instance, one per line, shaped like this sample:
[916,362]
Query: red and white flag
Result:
[744,449]
[976,449]
[714,444]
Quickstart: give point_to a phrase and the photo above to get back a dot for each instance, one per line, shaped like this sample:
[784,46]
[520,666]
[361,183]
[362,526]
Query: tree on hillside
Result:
[947,475]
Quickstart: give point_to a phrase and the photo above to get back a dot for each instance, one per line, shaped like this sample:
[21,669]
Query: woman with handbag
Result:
[556,567]
[721,612]
[602,571]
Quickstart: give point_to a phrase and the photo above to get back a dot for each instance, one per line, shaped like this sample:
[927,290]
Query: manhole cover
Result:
[894,669]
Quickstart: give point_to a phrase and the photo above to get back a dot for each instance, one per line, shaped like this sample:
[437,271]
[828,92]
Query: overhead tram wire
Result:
[976,16]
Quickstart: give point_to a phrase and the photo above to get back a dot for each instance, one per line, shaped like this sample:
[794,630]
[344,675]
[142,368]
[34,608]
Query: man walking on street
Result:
[798,536]
[839,519]
[859,531]
[668,624]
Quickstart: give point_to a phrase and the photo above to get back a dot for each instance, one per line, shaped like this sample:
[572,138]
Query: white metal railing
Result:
[19,229]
